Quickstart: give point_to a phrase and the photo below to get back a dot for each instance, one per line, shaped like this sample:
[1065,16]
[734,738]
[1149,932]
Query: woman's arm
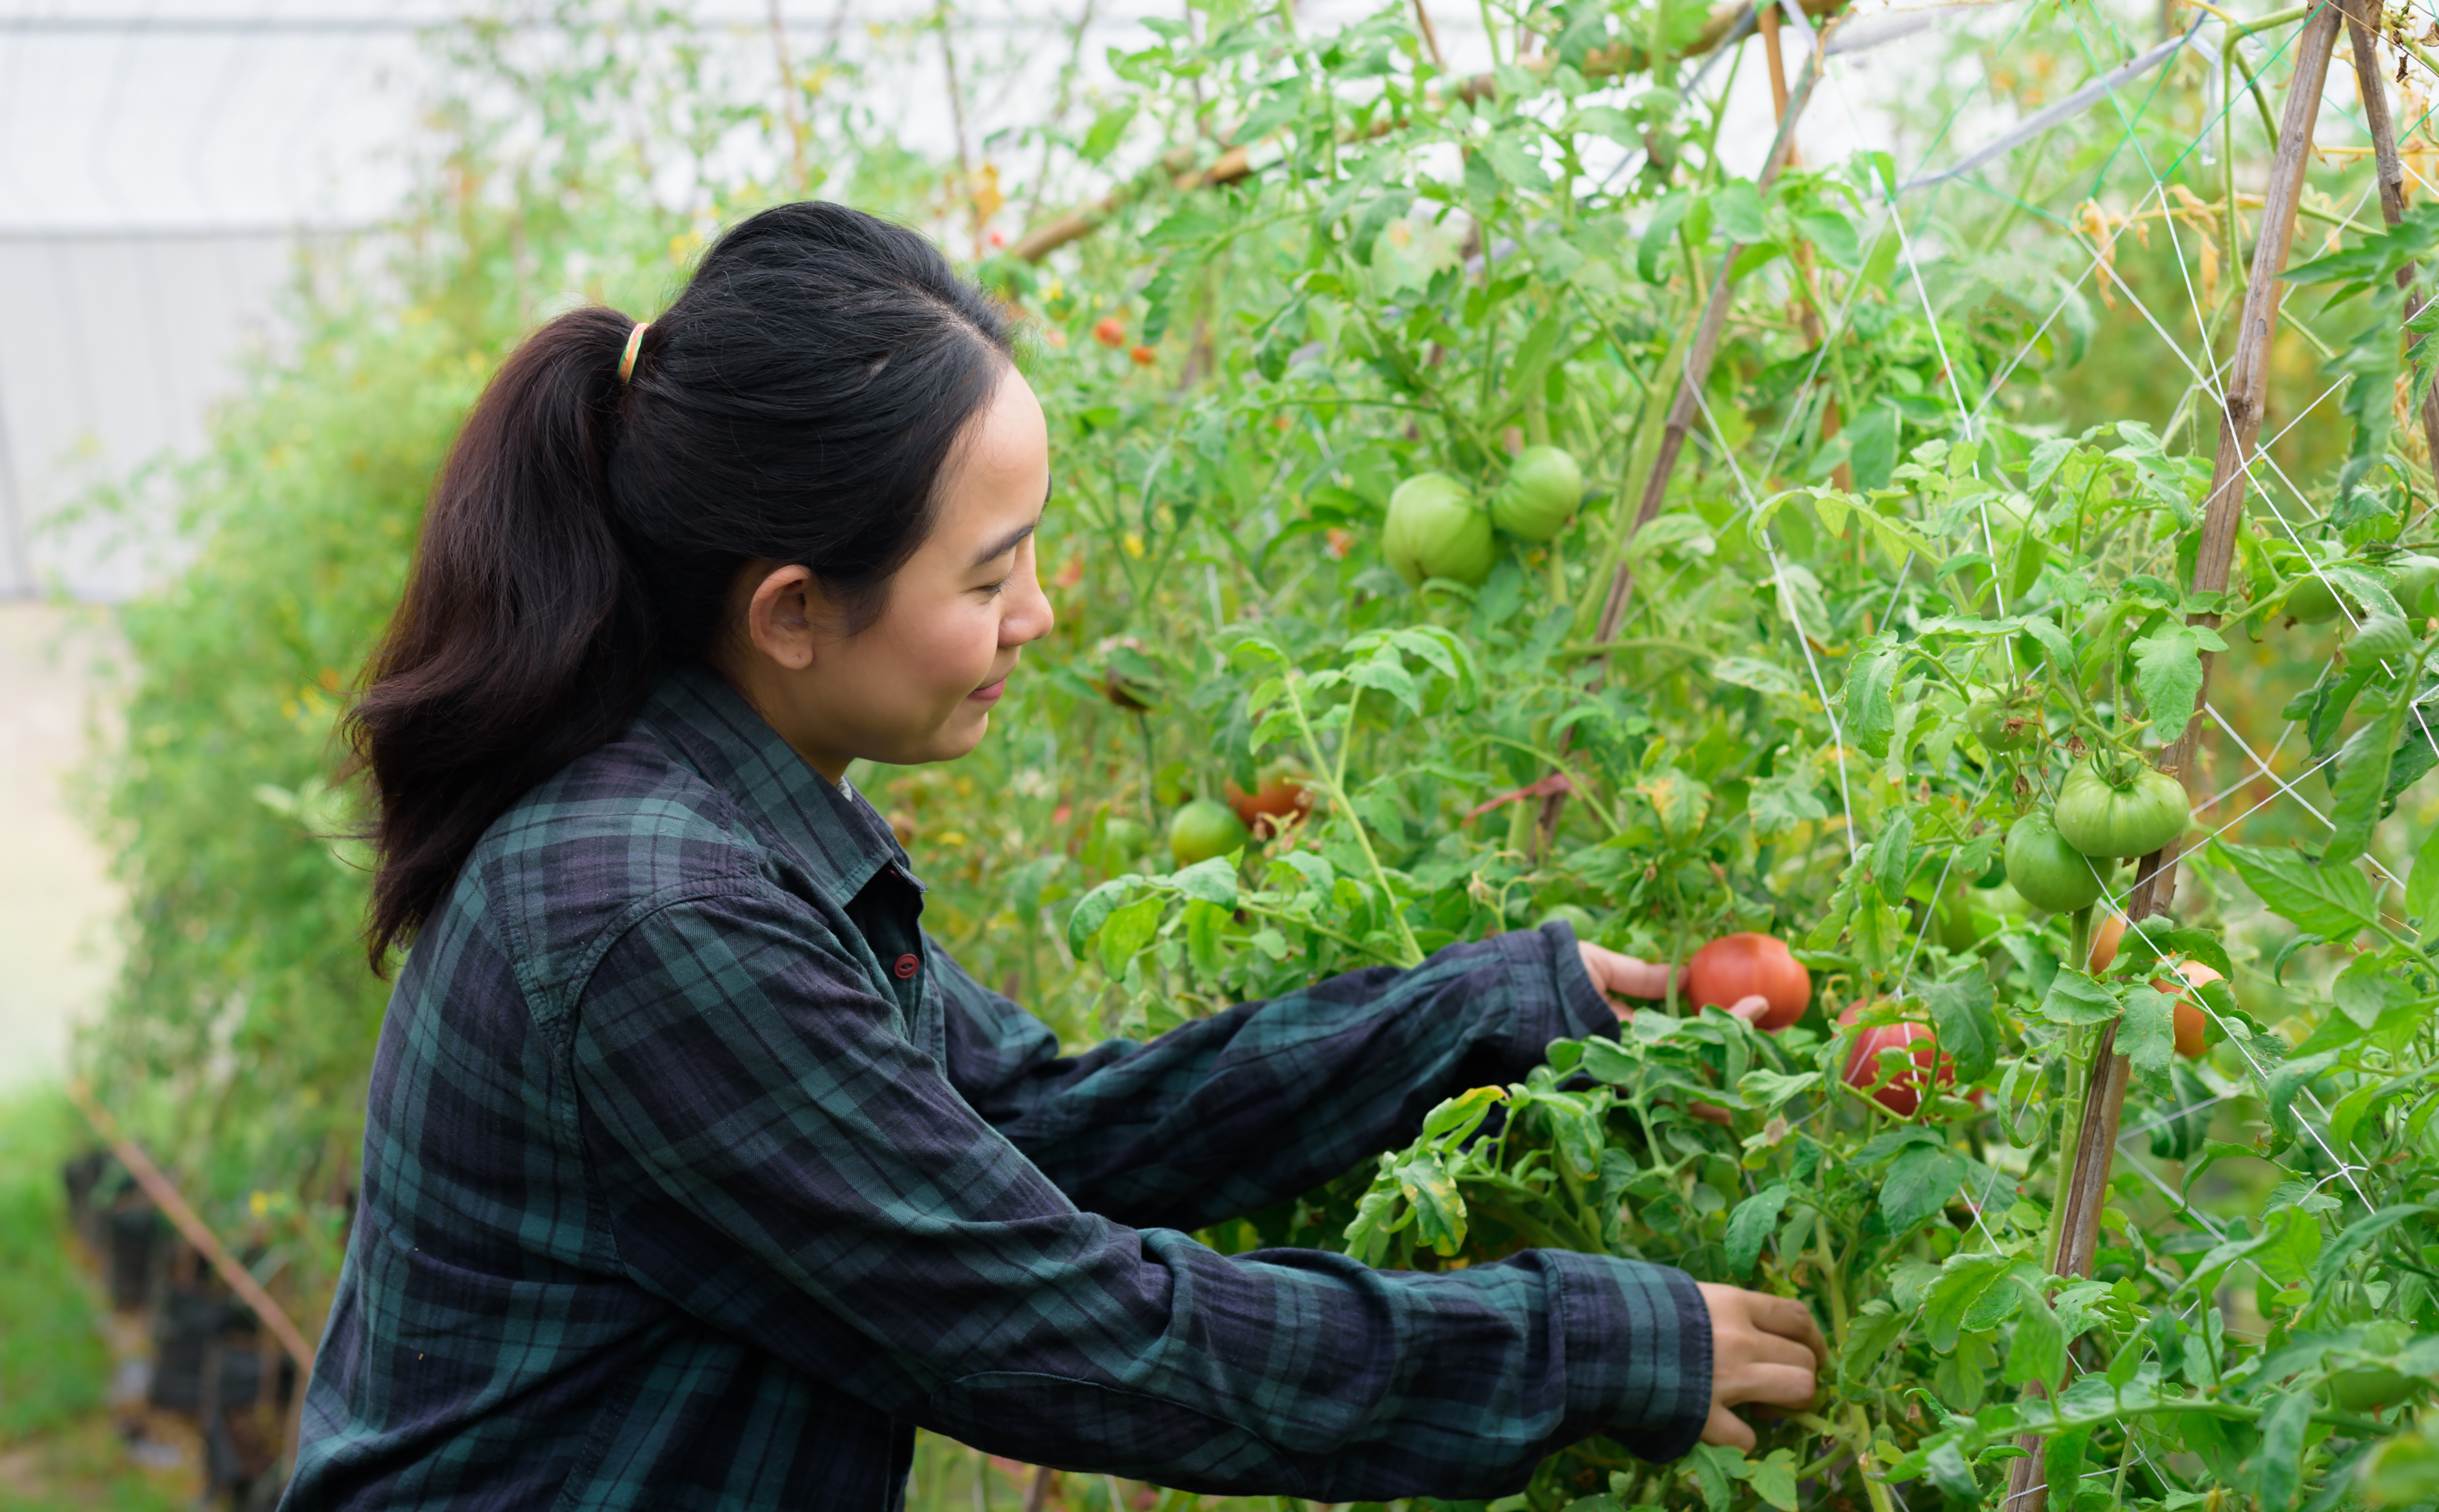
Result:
[779,1160]
[1269,1099]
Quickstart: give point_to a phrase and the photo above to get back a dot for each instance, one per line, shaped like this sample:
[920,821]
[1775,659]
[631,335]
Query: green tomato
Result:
[1125,839]
[2312,601]
[2380,638]
[2412,579]
[2368,1389]
[1542,490]
[2002,725]
[2047,872]
[1434,531]
[2133,814]
[1204,829]
[1580,919]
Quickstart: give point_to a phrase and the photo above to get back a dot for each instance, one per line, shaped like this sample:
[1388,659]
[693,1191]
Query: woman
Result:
[695,1175]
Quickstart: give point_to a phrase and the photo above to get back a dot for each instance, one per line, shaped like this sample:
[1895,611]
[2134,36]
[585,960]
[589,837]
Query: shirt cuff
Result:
[1552,972]
[1638,1351]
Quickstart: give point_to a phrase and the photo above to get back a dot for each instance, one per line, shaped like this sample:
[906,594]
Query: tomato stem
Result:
[1332,777]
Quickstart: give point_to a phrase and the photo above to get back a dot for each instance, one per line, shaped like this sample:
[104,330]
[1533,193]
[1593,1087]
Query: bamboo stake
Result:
[1697,370]
[2364,31]
[2083,1185]
[165,1197]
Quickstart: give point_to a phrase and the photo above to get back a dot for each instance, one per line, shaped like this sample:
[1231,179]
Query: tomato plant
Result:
[1394,513]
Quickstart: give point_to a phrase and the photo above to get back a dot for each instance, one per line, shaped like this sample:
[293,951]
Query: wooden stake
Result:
[2083,1185]
[185,1219]
[2363,31]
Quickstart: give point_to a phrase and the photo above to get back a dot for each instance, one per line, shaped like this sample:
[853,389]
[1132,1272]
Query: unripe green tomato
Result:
[1434,531]
[1126,839]
[1543,488]
[1204,829]
[1580,919]
[2380,638]
[2133,816]
[1990,717]
[2047,872]
[2368,1389]
[2312,601]
[2412,579]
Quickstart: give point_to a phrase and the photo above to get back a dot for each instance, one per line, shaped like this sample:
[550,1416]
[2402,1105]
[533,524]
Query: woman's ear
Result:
[780,617]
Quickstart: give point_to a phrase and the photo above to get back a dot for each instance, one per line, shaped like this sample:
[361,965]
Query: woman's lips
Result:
[989,692]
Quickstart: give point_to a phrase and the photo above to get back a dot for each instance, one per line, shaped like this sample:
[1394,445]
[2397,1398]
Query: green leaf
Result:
[2421,888]
[1514,161]
[2062,1457]
[1871,716]
[1868,1337]
[1767,1090]
[1736,209]
[1214,881]
[2404,1470]
[2074,997]
[2148,1035]
[2332,901]
[2037,1352]
[1774,1480]
[1460,1116]
[1919,1185]
[1128,929]
[1969,1031]
[1750,1226]
[2359,1236]
[1657,233]
[1713,1466]
[2169,674]
[2278,1465]
[1439,1210]
[1093,910]
[1952,1293]
[2359,795]
[1953,1475]
[1203,924]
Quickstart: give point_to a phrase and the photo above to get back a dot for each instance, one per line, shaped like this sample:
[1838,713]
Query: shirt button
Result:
[907,966]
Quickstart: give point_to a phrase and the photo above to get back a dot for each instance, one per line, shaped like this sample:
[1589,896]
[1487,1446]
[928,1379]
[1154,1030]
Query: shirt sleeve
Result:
[1267,1099]
[776,1157]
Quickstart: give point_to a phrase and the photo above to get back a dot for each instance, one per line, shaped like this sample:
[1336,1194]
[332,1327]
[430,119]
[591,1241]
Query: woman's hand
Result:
[1764,1350]
[1619,975]
[1622,976]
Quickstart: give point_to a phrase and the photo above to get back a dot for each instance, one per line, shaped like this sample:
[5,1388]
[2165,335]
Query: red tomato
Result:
[1144,356]
[1110,332]
[2193,1025]
[1735,966]
[1903,1093]
[2104,942]
[1265,813]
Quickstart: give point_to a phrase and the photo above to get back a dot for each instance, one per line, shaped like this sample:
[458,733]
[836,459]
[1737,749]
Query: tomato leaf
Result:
[2148,1036]
[1960,1011]
[1093,910]
[1870,715]
[1954,1475]
[1868,1338]
[1750,1226]
[1460,1116]
[2279,1463]
[1439,1210]
[1959,1284]
[2037,1352]
[1774,1480]
[2421,888]
[1128,929]
[1918,1185]
[2334,900]
[2074,997]
[2359,795]
[2169,674]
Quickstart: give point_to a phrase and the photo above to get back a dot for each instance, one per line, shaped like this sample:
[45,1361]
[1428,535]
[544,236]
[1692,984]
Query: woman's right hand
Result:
[1765,1350]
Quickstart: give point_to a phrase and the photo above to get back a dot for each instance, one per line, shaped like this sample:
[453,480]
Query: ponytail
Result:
[797,404]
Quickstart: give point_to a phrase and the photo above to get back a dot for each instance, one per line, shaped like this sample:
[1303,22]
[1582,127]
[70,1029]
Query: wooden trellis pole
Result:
[2083,1184]
[2363,31]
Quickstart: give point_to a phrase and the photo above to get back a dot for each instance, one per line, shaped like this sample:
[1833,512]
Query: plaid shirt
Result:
[695,1176]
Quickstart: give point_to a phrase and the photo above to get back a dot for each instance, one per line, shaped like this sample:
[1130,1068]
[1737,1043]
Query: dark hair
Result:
[797,404]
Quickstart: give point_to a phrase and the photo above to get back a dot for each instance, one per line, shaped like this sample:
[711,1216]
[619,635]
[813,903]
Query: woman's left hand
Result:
[1619,975]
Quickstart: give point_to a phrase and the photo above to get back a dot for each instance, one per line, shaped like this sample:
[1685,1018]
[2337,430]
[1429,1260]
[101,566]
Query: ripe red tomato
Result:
[1903,1093]
[2193,1025]
[1110,332]
[1144,356]
[1266,813]
[1735,966]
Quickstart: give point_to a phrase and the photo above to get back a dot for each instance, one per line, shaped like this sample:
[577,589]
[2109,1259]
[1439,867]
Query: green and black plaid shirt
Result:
[695,1176]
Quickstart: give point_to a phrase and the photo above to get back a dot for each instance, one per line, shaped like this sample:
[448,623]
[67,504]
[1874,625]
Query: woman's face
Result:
[919,683]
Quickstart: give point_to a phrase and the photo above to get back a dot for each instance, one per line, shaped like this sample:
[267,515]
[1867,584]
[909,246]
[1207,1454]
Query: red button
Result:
[907,966]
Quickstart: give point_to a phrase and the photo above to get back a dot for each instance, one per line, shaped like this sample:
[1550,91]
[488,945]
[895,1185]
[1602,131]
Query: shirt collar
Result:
[837,837]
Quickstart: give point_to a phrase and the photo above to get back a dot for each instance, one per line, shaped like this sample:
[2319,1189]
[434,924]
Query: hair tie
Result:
[634,344]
